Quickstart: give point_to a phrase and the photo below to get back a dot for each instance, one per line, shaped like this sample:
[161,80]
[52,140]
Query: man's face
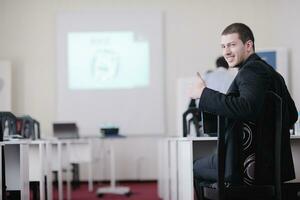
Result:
[234,50]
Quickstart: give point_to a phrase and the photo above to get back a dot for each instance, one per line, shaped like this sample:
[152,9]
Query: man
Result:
[242,106]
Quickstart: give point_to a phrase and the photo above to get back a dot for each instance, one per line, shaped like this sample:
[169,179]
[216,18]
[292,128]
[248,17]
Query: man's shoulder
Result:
[256,61]
[254,69]
[256,65]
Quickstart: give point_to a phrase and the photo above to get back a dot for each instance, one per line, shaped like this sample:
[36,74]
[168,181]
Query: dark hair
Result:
[242,30]
[221,62]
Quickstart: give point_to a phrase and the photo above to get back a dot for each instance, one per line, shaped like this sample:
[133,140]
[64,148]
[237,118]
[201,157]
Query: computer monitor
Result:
[210,124]
[65,130]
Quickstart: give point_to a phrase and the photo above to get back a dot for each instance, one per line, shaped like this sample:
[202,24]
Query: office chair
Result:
[195,120]
[28,127]
[222,191]
[8,124]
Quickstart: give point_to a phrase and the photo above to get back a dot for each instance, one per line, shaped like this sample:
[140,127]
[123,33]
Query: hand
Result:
[196,90]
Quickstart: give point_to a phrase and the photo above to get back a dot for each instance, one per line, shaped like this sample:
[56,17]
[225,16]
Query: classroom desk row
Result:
[27,161]
[175,162]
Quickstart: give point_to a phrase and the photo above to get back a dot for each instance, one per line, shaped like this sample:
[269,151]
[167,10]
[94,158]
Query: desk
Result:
[57,163]
[176,166]
[113,189]
[67,151]
[17,167]
[1,145]
[48,171]
[39,167]
[83,151]
[33,160]
[295,144]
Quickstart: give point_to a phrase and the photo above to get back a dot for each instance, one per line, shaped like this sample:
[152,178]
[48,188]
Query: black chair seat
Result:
[291,191]
[241,192]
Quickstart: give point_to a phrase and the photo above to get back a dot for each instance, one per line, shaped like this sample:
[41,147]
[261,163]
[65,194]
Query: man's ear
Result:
[249,45]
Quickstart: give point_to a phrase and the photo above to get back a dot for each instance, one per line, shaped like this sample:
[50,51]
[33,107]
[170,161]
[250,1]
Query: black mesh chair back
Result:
[194,120]
[8,125]
[28,127]
[225,191]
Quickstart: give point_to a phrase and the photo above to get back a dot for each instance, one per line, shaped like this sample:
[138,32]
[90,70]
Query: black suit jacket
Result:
[244,103]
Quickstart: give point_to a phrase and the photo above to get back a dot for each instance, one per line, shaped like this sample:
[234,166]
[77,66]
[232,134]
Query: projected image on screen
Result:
[107,60]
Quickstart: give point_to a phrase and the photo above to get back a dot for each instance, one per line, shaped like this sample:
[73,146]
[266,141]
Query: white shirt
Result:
[220,79]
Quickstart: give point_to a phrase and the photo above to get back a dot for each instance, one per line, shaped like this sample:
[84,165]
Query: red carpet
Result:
[140,191]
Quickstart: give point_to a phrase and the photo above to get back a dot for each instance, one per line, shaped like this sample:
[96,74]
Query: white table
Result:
[39,166]
[176,164]
[27,160]
[57,161]
[1,145]
[65,152]
[17,166]
[113,189]
[83,151]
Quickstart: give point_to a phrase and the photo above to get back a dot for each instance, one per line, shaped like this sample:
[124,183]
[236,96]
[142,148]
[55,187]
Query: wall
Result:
[5,85]
[192,35]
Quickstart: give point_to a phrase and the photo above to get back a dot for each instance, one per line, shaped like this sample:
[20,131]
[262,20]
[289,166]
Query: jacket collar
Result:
[252,57]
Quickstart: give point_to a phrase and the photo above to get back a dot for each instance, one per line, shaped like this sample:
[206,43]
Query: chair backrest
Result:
[272,99]
[195,120]
[8,124]
[205,124]
[28,127]
[277,146]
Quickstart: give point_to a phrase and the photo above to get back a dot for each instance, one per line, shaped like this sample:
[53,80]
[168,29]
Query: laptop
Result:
[65,130]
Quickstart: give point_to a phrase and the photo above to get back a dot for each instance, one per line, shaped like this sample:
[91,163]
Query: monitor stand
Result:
[113,189]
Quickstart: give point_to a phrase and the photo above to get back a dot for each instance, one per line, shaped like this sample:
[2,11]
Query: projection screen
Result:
[110,71]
